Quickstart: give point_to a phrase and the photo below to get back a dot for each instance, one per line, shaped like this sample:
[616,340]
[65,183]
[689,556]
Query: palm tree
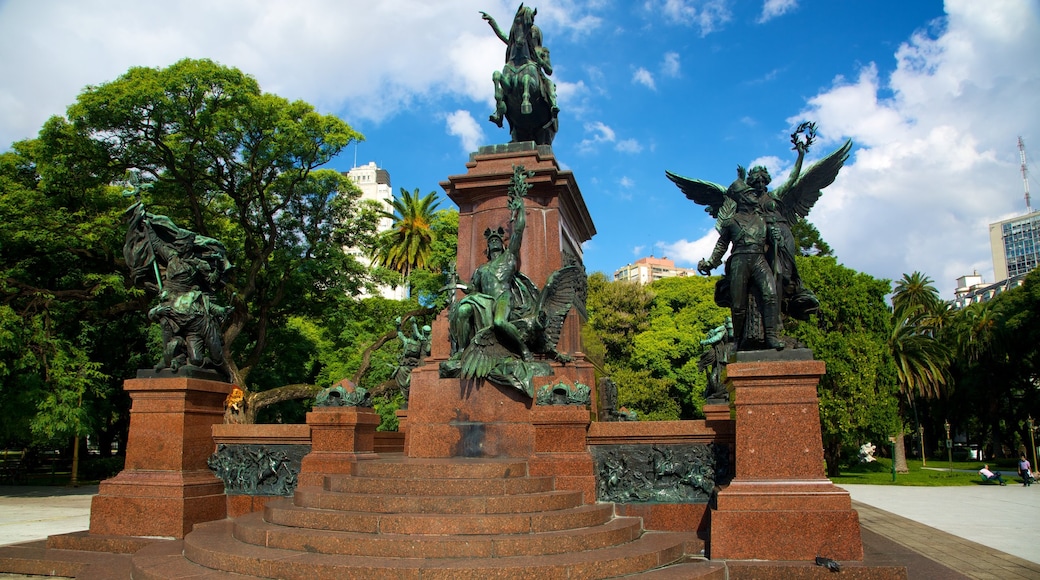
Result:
[914,293]
[980,342]
[408,244]
[922,359]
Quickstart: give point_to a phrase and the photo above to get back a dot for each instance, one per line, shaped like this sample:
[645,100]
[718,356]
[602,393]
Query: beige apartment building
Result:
[646,270]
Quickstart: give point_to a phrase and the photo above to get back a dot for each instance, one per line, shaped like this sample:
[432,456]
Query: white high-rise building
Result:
[1015,244]
[374,184]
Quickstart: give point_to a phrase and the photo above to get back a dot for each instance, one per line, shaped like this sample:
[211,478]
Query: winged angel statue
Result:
[504,320]
[761,280]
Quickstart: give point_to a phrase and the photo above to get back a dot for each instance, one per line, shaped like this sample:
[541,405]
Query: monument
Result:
[167,486]
[497,478]
[780,505]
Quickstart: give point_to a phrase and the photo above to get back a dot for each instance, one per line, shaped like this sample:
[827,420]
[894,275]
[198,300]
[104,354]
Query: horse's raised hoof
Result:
[496,119]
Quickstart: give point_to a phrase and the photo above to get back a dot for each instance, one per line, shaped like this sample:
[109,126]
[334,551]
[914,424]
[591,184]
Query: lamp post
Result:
[920,438]
[1032,441]
[949,445]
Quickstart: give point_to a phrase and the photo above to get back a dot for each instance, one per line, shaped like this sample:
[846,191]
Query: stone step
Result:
[166,560]
[285,513]
[212,545]
[317,497]
[450,468]
[437,486]
[252,529]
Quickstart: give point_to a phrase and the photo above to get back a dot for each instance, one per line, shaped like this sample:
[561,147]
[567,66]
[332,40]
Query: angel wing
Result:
[706,193]
[798,197]
[562,289]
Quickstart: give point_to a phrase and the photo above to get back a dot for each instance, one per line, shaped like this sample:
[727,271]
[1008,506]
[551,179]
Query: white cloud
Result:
[628,146]
[626,182]
[644,77]
[363,67]
[708,15]
[461,124]
[670,66]
[600,133]
[687,253]
[937,159]
[774,8]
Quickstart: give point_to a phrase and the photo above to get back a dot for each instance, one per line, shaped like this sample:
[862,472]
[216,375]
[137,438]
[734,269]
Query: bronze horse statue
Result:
[524,95]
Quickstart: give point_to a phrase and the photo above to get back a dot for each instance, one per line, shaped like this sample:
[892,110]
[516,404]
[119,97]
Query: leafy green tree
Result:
[408,245]
[647,339]
[809,240]
[857,394]
[229,161]
[223,159]
[62,301]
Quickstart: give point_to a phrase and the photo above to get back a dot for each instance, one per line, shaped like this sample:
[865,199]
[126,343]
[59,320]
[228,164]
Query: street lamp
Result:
[949,445]
[1032,441]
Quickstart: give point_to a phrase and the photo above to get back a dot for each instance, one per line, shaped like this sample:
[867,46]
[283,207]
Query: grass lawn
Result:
[880,473]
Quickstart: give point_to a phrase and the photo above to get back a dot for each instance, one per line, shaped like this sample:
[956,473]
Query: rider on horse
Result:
[524,52]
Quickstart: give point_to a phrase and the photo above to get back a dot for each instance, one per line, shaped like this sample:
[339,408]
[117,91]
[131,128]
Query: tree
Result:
[922,359]
[857,393]
[428,284]
[647,339]
[63,305]
[408,244]
[222,159]
[809,240]
[231,162]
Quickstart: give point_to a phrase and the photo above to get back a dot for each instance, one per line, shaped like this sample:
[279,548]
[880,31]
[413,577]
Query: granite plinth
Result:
[156,503]
[780,506]
[457,418]
[166,487]
[340,437]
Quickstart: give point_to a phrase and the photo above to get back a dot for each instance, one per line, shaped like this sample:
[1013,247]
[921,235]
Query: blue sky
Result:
[933,94]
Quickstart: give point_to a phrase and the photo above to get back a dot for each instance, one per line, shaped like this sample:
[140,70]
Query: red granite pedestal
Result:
[459,418]
[166,487]
[340,437]
[780,505]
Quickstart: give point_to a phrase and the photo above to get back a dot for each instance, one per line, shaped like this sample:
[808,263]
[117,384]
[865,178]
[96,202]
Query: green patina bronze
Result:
[503,320]
[187,270]
[339,396]
[414,350]
[761,280]
[712,361]
[524,94]
[563,394]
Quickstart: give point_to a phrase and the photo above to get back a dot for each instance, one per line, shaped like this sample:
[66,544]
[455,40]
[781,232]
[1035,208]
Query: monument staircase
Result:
[398,517]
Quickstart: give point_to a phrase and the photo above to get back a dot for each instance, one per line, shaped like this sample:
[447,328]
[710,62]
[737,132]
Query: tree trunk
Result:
[832,457]
[74,476]
[900,457]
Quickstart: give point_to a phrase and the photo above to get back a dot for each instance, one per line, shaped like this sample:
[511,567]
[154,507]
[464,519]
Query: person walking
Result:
[1025,470]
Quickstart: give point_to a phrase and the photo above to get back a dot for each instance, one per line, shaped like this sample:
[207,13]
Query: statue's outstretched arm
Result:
[494,26]
[519,219]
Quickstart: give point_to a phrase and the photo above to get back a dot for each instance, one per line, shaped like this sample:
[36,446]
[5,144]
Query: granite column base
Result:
[780,505]
[166,487]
